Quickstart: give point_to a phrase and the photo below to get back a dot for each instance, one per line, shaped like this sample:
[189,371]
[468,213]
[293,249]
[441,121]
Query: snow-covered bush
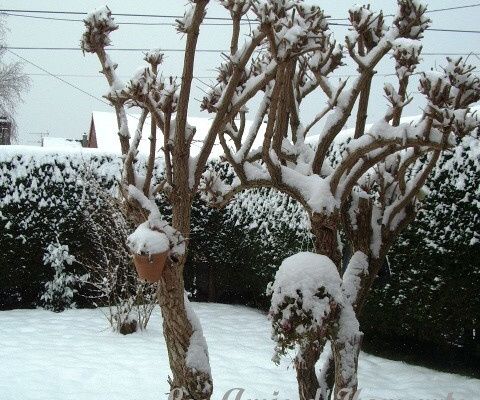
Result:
[235,252]
[60,290]
[230,260]
[306,297]
[270,214]
[48,195]
[113,281]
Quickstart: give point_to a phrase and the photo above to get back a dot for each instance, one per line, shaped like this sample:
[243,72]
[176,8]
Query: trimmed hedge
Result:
[429,301]
[43,196]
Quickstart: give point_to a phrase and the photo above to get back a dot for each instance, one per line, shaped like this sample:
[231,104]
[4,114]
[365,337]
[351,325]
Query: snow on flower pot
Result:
[150,251]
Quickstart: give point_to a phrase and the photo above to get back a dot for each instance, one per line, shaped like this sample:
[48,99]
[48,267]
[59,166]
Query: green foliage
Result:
[431,295]
[300,327]
[231,261]
[42,202]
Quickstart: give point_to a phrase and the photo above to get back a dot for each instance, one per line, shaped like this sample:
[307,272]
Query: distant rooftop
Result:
[60,143]
[106,133]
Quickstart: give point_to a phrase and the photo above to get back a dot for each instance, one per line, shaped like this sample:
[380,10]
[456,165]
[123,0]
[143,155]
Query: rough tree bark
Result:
[325,231]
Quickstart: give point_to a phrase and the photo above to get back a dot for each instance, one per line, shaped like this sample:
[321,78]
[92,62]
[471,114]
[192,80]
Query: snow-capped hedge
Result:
[43,195]
[430,296]
[235,252]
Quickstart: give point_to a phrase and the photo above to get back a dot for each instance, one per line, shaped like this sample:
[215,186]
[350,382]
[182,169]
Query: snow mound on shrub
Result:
[305,294]
[306,272]
[147,241]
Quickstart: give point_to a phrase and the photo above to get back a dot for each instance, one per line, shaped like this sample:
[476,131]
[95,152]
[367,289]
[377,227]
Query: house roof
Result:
[107,133]
[60,143]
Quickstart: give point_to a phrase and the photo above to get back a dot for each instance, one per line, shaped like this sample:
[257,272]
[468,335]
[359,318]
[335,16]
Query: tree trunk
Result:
[363,107]
[177,328]
[327,376]
[305,362]
[324,228]
[311,386]
[402,92]
[346,352]
[211,283]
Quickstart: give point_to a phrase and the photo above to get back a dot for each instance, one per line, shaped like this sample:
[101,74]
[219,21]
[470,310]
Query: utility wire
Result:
[101,76]
[58,77]
[126,14]
[111,49]
[15,12]
[118,22]
[115,14]
[66,82]
[195,77]
[428,29]
[454,8]
[207,17]
[465,53]
[452,30]
[213,24]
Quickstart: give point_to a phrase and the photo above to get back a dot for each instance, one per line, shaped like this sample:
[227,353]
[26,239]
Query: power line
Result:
[15,12]
[454,8]
[64,81]
[59,78]
[110,49]
[126,14]
[119,23]
[181,16]
[101,76]
[115,14]
[465,53]
[452,30]
[199,78]
[215,24]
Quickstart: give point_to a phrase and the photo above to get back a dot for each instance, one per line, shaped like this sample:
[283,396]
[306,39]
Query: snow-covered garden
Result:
[339,240]
[73,356]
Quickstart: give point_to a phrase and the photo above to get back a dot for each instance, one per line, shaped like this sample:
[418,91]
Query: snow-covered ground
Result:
[74,356]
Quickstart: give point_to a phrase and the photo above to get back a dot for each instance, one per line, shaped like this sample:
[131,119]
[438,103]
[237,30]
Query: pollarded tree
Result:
[386,198]
[286,162]
[285,30]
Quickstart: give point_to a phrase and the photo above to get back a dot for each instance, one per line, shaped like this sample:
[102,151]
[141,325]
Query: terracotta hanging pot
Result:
[150,267]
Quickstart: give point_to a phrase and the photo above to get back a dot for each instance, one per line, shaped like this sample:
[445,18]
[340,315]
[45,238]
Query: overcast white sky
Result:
[54,107]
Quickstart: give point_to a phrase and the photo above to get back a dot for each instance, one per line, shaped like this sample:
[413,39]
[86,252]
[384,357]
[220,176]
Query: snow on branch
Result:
[309,306]
[407,55]
[450,95]
[185,23]
[236,7]
[155,234]
[99,24]
[197,354]
[367,30]
[410,19]
[356,270]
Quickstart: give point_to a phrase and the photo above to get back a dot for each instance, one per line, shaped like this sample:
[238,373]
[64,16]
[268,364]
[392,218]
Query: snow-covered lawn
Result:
[73,355]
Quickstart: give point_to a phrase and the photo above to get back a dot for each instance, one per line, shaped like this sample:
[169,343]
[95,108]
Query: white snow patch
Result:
[72,356]
[357,267]
[147,241]
[197,354]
